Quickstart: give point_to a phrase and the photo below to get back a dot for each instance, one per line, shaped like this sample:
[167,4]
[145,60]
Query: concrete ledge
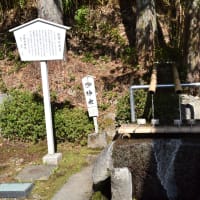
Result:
[52,159]
[15,190]
[134,128]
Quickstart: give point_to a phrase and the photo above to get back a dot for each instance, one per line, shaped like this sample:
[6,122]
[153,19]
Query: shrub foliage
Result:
[22,117]
[123,114]
[124,108]
[72,125]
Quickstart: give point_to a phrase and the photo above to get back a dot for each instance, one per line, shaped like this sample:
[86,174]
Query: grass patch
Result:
[98,196]
[74,158]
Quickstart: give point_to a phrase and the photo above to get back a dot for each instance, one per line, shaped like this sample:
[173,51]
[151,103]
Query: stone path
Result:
[78,186]
[35,172]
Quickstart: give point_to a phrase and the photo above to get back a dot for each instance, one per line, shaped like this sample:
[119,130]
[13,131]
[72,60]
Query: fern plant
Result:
[82,20]
[21,3]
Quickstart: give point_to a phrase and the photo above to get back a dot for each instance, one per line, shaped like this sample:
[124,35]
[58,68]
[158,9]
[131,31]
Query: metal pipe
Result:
[179,107]
[135,87]
[132,105]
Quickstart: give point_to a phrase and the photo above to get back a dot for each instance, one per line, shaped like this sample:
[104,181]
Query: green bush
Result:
[73,125]
[166,104]
[140,96]
[82,20]
[123,114]
[22,117]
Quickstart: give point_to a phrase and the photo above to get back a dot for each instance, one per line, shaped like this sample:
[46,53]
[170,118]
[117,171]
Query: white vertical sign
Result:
[90,97]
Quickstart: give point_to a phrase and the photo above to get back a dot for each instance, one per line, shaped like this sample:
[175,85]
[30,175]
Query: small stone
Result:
[96,140]
[19,161]
[37,172]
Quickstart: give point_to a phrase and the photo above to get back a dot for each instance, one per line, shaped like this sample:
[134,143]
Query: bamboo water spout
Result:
[136,87]
[178,90]
[153,81]
[177,82]
[152,90]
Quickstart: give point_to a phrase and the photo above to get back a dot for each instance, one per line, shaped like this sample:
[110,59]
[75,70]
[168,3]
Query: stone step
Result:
[15,190]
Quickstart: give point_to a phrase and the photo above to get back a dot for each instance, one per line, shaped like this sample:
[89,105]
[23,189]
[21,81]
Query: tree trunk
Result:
[192,37]
[145,32]
[51,10]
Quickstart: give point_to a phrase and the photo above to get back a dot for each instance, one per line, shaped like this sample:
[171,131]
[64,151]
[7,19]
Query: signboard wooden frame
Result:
[40,40]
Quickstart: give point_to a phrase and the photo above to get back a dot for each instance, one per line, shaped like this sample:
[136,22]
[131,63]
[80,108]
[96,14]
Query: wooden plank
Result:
[137,129]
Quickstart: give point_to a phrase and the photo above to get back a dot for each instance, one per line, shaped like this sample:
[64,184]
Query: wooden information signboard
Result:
[42,40]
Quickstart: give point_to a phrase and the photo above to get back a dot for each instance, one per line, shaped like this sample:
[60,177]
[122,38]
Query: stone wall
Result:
[161,168]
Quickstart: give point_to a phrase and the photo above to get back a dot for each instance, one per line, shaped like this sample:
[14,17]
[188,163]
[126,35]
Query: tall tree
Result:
[192,40]
[51,10]
[146,27]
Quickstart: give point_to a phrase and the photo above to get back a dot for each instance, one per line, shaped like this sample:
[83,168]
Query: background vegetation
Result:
[110,35]
[109,40]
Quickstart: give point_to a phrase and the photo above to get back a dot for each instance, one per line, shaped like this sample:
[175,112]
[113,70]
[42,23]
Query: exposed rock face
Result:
[161,168]
[103,165]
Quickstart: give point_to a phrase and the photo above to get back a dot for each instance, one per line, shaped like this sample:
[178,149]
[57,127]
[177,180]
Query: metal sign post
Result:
[90,97]
[41,40]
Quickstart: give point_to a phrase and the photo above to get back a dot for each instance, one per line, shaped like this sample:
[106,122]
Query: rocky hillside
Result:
[100,53]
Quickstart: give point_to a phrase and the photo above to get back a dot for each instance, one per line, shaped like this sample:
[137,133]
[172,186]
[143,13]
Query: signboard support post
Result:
[95,124]
[47,108]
